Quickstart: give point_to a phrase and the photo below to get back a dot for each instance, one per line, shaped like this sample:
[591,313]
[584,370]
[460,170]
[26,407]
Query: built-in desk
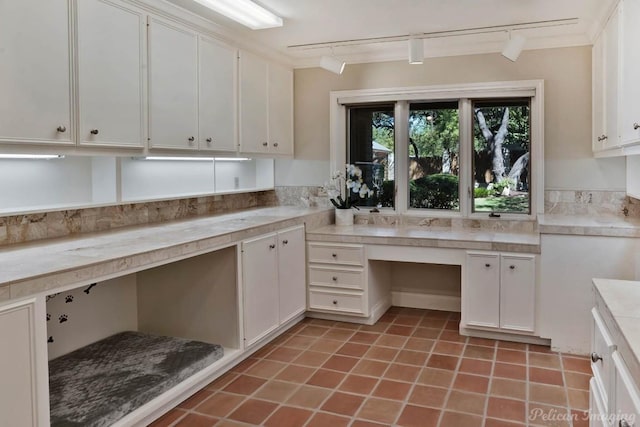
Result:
[357,272]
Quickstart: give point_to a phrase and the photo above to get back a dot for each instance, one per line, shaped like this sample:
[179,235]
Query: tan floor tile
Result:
[380,410]
[309,397]
[410,357]
[253,411]
[353,349]
[326,378]
[492,422]
[472,383]
[433,323]
[440,361]
[418,416]
[476,367]
[220,404]
[512,345]
[364,423]
[545,415]
[321,419]
[395,341]
[577,380]
[400,372]
[482,342]
[372,368]
[364,338]
[540,348]
[379,327]
[358,384]
[311,358]
[479,352]
[196,420]
[404,331]
[542,360]
[195,399]
[222,382]
[511,356]
[244,365]
[469,403]
[433,397]
[283,354]
[435,377]
[300,341]
[168,419]
[546,376]
[276,391]
[382,353]
[295,374]
[340,363]
[407,320]
[457,419]
[394,390]
[287,416]
[339,334]
[448,348]
[343,404]
[507,409]
[547,394]
[508,388]
[313,331]
[265,368]
[578,399]
[576,364]
[325,345]
[452,336]
[419,344]
[508,370]
[427,333]
[244,384]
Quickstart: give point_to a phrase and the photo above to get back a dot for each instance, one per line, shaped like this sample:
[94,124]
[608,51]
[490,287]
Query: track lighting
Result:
[416,51]
[333,64]
[514,46]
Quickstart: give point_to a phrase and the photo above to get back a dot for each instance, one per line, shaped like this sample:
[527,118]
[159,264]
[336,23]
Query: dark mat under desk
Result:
[98,384]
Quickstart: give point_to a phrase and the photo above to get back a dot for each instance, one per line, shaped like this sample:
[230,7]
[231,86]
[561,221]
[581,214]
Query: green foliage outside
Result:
[439,191]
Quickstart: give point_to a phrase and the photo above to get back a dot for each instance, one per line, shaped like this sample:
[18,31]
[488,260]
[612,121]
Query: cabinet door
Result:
[217,95]
[280,110]
[630,63]
[23,366]
[481,294]
[260,284]
[517,292]
[110,74]
[627,396]
[611,78]
[35,91]
[291,273]
[173,86]
[598,124]
[253,104]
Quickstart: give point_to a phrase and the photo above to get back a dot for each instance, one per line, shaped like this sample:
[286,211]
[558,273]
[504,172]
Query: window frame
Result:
[465,94]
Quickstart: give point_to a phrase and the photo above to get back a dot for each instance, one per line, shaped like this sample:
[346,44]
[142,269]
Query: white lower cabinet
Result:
[626,409]
[23,365]
[499,291]
[273,276]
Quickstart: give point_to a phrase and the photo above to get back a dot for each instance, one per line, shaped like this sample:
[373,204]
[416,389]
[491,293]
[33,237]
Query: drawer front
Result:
[627,400]
[335,254]
[336,277]
[597,414]
[338,302]
[602,347]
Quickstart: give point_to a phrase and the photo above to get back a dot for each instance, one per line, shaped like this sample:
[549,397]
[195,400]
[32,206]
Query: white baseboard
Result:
[425,301]
[504,336]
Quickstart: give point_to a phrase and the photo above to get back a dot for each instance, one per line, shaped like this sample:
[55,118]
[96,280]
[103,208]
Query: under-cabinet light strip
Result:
[31,156]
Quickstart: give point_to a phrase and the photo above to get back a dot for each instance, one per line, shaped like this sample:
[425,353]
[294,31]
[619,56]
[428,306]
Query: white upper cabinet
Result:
[597,96]
[35,68]
[280,109]
[217,95]
[612,80]
[110,74]
[266,107]
[630,56]
[173,86]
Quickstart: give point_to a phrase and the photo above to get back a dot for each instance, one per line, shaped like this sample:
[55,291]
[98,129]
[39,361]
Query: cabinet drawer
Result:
[336,301]
[336,254]
[335,277]
[627,396]
[602,347]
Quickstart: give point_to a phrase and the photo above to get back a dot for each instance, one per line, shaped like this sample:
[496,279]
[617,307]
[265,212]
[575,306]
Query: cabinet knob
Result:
[285,242]
[595,357]
[636,126]
[487,265]
[275,144]
[335,302]
[264,144]
[209,140]
[334,278]
[334,255]
[191,139]
[513,267]
[61,129]
[94,131]
[602,138]
[624,423]
[272,246]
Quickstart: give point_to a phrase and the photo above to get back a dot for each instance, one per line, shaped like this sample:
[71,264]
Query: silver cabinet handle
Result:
[487,265]
[513,267]
[94,132]
[61,129]
[272,246]
[275,144]
[334,278]
[636,126]
[191,139]
[335,302]
[285,242]
[209,140]
[264,144]
[334,255]
[602,138]
[595,357]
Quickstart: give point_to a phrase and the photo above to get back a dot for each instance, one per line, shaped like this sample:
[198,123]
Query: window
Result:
[470,150]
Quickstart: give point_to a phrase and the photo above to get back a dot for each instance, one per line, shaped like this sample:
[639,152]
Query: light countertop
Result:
[621,298]
[45,265]
[585,225]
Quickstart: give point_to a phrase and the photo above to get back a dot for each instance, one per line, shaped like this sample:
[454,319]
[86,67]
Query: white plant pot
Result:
[344,217]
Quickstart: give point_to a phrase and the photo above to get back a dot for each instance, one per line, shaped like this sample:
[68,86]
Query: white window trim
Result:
[510,89]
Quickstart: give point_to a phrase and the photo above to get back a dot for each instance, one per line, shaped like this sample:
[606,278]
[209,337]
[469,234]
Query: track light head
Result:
[514,46]
[416,51]
[333,64]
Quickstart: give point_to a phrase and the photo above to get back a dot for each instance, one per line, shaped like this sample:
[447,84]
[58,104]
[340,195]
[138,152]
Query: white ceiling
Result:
[331,21]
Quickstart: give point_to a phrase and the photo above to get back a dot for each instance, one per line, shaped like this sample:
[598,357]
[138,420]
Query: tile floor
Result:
[412,368]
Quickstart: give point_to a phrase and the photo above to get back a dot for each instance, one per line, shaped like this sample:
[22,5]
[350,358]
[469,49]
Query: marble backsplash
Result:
[36,226]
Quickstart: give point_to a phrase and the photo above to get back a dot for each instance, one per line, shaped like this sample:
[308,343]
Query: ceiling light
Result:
[31,156]
[333,64]
[514,46]
[416,51]
[245,12]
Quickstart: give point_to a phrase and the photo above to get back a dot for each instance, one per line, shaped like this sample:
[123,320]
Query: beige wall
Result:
[569,163]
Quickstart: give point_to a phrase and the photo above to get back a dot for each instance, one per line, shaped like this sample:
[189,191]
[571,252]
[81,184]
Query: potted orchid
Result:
[345,190]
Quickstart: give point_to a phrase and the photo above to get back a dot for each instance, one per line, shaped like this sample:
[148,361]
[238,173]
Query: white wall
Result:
[569,163]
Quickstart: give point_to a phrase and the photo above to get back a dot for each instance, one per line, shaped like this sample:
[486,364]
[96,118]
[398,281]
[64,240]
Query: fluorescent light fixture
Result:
[31,156]
[514,46]
[333,64]
[416,51]
[245,12]
[231,159]
[186,159]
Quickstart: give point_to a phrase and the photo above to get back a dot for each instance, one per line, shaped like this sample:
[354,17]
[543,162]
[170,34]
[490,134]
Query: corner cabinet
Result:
[500,292]
[266,107]
[273,277]
[36,105]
